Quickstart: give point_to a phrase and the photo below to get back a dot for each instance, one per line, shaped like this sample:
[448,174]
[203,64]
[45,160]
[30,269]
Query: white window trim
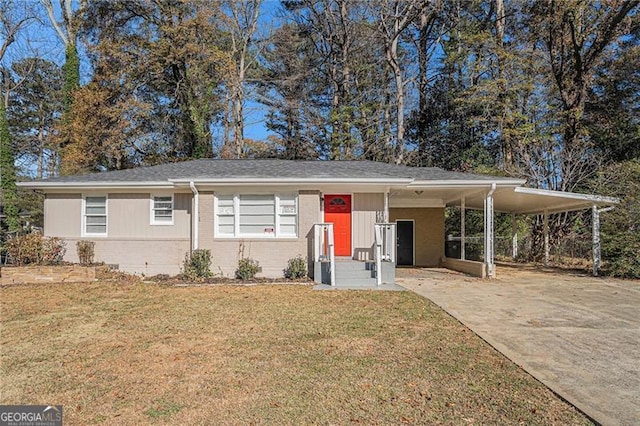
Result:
[83,231]
[152,216]
[236,215]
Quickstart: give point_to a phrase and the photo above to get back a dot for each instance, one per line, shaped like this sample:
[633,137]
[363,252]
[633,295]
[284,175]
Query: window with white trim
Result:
[161,210]
[257,215]
[94,216]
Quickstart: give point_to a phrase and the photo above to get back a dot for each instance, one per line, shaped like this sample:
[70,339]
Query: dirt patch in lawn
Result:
[133,353]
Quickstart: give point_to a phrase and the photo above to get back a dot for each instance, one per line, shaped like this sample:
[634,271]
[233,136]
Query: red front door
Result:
[337,210]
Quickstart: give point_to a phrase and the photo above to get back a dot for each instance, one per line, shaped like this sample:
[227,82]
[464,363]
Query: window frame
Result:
[152,210]
[84,232]
[277,234]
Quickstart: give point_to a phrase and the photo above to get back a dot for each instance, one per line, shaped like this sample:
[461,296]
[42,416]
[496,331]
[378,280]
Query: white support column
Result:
[386,206]
[595,234]
[545,230]
[488,233]
[463,232]
[514,237]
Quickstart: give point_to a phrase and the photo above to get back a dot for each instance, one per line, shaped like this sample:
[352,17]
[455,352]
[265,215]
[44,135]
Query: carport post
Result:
[488,233]
[514,237]
[595,235]
[545,230]
[463,236]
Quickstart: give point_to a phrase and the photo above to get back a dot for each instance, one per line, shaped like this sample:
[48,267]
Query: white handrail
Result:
[332,256]
[385,242]
[378,253]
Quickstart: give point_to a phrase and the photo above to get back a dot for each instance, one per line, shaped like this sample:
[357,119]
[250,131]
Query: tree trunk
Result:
[392,60]
[238,111]
[8,174]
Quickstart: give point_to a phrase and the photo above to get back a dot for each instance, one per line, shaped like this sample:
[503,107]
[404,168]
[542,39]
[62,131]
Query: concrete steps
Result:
[355,273]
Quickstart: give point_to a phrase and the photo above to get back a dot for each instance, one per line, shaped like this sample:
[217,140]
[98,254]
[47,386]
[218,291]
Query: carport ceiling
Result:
[522,200]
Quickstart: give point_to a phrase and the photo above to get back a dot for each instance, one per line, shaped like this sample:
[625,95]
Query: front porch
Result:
[412,231]
[344,272]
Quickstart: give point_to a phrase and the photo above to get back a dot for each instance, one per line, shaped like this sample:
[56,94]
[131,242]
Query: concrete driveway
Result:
[577,334]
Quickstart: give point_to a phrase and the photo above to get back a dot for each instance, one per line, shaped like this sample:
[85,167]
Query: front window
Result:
[257,215]
[162,210]
[95,216]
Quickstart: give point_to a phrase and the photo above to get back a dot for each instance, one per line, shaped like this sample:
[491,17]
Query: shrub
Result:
[34,249]
[197,264]
[85,250]
[53,250]
[24,249]
[247,269]
[296,268]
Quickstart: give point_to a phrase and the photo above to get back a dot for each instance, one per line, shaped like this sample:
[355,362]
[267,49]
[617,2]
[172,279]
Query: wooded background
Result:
[543,90]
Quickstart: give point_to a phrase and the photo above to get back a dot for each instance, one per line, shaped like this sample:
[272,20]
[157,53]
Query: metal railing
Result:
[323,247]
[385,246]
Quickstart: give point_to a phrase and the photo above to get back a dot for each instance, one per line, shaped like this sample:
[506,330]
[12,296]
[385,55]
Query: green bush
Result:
[34,249]
[247,269]
[296,268]
[197,264]
[85,250]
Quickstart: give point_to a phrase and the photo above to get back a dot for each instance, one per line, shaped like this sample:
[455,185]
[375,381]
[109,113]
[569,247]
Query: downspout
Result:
[196,214]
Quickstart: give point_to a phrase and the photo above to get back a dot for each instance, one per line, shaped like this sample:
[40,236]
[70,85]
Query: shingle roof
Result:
[269,169]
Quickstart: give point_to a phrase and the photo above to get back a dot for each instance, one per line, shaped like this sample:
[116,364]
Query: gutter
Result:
[107,185]
[464,183]
[196,214]
[293,181]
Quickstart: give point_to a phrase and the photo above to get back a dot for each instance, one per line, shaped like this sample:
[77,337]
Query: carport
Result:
[522,201]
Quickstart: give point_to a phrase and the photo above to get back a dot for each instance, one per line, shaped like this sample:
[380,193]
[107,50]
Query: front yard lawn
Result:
[118,353]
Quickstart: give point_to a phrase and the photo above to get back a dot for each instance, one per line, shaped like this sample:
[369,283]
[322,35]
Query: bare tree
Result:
[577,37]
[241,23]
[394,16]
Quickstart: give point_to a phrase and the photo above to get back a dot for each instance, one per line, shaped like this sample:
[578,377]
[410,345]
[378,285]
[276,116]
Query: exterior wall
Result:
[129,217]
[367,209]
[63,215]
[271,253]
[132,242]
[429,233]
[138,247]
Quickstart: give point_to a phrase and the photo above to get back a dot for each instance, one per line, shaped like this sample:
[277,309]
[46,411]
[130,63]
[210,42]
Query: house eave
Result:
[425,184]
[291,181]
[597,199]
[97,185]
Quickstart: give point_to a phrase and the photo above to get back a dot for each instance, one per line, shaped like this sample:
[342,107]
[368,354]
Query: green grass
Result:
[142,353]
